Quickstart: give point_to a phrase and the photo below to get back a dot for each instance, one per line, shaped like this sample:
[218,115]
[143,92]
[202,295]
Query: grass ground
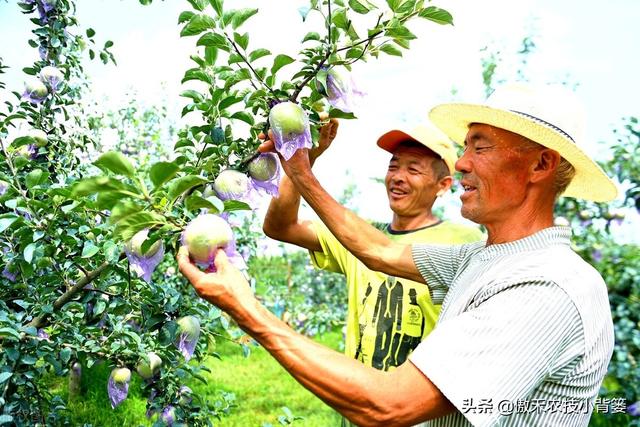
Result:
[260,385]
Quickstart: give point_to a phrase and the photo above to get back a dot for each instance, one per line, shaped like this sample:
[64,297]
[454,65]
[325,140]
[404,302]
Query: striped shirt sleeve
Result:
[502,348]
[438,264]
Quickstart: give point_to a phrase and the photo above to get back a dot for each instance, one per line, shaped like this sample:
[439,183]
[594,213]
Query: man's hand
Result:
[226,288]
[328,133]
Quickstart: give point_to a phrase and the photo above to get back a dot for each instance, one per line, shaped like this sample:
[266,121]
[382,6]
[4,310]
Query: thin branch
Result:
[40,321]
[101,292]
[235,47]
[311,75]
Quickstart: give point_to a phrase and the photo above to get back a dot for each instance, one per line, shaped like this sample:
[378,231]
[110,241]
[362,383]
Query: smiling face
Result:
[496,172]
[412,181]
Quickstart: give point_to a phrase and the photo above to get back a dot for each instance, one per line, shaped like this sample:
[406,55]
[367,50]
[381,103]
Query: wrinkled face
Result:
[495,172]
[411,182]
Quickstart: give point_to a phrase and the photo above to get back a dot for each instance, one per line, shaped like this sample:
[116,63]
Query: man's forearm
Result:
[366,242]
[283,210]
[365,396]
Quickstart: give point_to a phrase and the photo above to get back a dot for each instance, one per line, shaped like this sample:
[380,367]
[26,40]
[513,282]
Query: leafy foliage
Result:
[71,200]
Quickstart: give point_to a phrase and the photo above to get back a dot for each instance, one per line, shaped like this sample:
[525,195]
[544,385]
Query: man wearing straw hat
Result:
[525,332]
[386,318]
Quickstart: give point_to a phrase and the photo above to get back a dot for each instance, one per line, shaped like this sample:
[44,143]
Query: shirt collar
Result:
[552,236]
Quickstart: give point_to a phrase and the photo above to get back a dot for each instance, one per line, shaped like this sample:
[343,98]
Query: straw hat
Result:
[548,115]
[428,136]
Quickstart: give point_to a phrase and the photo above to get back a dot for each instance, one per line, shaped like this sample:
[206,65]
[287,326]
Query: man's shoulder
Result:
[448,232]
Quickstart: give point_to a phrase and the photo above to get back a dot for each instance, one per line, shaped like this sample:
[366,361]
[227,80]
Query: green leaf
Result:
[217,6]
[115,162]
[162,172]
[339,114]
[123,209]
[210,55]
[198,4]
[35,177]
[362,7]
[89,249]
[393,4]
[215,40]
[126,228]
[235,205]
[193,94]
[354,52]
[6,220]
[280,61]
[241,39]
[340,20]
[400,32]
[407,6]
[91,32]
[4,376]
[196,74]
[243,116]
[193,203]
[311,36]
[182,184]
[258,53]
[65,355]
[241,16]
[28,252]
[185,16]
[9,333]
[390,50]
[437,15]
[95,184]
[197,24]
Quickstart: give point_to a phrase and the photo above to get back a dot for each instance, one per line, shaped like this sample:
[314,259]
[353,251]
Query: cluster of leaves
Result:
[593,225]
[312,301]
[68,295]
[237,82]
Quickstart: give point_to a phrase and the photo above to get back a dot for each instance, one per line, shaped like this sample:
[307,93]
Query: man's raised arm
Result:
[364,241]
[281,221]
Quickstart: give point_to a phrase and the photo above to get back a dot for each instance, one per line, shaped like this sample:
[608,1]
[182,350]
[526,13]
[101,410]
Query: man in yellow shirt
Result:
[387,317]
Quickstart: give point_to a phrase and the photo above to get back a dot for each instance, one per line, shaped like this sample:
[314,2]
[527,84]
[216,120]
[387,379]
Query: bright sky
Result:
[590,44]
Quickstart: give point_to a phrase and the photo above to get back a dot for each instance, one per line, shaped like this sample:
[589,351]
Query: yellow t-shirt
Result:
[387,316]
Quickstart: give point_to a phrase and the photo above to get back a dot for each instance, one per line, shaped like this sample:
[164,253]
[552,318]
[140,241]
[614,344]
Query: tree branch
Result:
[235,47]
[40,321]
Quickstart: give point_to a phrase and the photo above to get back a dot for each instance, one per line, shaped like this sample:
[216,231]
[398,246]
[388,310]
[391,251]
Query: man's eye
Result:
[413,171]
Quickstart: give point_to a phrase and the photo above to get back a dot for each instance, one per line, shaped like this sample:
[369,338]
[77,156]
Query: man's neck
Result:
[514,228]
[408,223]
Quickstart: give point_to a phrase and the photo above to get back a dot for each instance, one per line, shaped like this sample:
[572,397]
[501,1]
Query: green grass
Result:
[261,386]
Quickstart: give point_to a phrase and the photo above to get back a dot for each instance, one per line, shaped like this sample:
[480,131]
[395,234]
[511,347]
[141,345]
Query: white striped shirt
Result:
[525,332]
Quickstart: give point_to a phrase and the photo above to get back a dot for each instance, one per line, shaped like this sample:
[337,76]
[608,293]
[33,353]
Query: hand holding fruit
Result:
[226,288]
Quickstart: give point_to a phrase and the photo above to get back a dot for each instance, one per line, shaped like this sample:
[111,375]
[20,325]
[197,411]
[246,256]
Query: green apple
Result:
[263,167]
[204,235]
[135,244]
[189,325]
[231,184]
[288,117]
[149,369]
[121,375]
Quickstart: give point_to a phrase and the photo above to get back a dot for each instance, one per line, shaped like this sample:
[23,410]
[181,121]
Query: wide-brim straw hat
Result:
[428,136]
[548,115]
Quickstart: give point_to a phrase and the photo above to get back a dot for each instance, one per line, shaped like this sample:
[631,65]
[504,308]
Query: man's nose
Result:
[463,164]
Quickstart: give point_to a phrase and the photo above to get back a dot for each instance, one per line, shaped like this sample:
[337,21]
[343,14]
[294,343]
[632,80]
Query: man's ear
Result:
[444,185]
[546,163]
